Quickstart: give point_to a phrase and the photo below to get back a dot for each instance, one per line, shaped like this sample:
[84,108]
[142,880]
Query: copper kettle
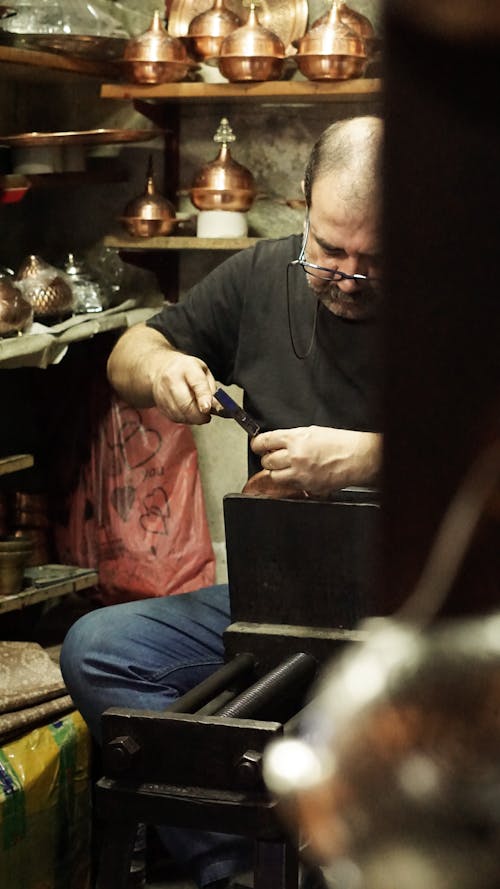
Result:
[223,184]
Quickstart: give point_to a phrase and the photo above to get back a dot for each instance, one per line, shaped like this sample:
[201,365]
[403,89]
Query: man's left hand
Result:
[318,459]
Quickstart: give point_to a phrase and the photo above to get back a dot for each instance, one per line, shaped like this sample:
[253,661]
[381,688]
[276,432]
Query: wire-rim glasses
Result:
[320,271]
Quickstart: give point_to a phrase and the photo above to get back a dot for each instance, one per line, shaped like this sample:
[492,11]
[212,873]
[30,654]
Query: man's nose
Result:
[351,265]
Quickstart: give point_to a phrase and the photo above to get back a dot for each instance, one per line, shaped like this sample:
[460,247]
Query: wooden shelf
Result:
[94,175]
[34,66]
[71,580]
[15,463]
[49,346]
[123,242]
[366,89]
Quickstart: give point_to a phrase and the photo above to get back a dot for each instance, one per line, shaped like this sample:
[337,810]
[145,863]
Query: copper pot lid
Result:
[334,37]
[155,45]
[218,21]
[252,39]
[150,204]
[354,20]
[224,176]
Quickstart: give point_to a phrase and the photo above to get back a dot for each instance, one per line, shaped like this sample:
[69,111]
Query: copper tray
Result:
[286,18]
[79,137]
[81,45]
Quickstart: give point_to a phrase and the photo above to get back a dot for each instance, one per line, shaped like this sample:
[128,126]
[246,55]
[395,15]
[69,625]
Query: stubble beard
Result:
[359,306]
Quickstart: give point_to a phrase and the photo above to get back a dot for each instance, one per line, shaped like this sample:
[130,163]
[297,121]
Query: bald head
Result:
[350,150]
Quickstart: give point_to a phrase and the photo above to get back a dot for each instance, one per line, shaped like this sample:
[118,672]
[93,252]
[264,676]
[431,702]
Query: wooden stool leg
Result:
[116,852]
[276,865]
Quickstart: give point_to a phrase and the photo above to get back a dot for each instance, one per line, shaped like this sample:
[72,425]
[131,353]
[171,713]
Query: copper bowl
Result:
[140,71]
[243,68]
[327,67]
[142,227]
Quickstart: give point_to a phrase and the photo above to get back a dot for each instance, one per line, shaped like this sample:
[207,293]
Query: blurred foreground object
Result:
[397,779]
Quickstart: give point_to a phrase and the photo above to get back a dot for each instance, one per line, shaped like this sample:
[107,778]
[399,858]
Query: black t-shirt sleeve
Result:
[206,323]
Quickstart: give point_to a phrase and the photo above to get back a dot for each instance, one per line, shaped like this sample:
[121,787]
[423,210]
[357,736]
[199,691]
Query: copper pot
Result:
[251,52]
[16,311]
[331,51]
[223,184]
[208,29]
[357,22]
[149,214]
[45,287]
[155,56]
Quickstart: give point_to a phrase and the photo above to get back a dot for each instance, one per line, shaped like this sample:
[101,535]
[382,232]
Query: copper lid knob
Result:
[223,184]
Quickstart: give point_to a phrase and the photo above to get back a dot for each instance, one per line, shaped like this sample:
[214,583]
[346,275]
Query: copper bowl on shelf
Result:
[238,69]
[325,67]
[155,56]
[141,227]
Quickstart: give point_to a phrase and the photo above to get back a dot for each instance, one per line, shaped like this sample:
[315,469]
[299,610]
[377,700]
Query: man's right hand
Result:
[146,371]
[182,387]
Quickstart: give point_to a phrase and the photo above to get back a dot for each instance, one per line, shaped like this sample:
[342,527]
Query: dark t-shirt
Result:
[238,320]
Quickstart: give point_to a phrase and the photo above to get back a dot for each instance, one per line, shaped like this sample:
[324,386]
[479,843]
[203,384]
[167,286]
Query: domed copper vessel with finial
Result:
[357,22]
[251,52]
[149,214]
[155,56]
[208,29]
[331,51]
[223,184]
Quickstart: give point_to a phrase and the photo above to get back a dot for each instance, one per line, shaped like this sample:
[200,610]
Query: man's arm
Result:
[146,370]
[320,460]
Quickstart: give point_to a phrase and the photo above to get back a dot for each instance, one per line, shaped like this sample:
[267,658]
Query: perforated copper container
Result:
[150,213]
[223,184]
[332,50]
[208,29]
[251,52]
[45,287]
[155,56]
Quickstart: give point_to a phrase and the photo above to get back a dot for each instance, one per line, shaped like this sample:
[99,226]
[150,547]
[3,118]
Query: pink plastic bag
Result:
[138,514]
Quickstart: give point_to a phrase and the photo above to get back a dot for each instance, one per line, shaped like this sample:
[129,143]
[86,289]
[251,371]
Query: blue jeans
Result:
[144,655]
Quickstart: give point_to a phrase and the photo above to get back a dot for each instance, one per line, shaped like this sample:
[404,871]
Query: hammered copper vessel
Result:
[331,51]
[208,30]
[149,214]
[251,52]
[45,287]
[155,56]
[223,184]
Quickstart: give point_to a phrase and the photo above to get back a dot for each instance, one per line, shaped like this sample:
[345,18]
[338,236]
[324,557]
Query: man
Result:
[294,323]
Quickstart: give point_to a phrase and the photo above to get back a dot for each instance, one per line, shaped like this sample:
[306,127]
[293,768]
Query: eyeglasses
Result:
[320,271]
